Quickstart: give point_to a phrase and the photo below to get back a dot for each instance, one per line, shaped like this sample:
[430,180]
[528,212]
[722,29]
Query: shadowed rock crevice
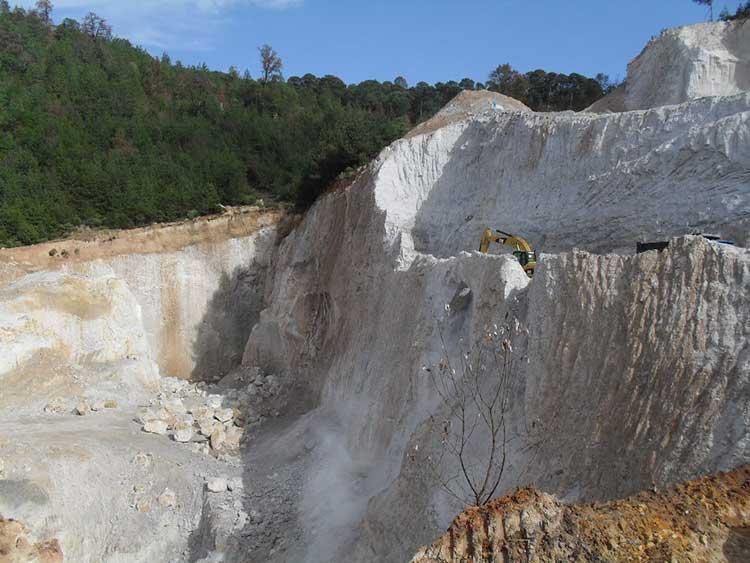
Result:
[231,314]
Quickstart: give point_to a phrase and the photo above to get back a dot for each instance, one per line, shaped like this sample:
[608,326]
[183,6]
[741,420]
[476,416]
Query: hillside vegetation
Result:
[96,132]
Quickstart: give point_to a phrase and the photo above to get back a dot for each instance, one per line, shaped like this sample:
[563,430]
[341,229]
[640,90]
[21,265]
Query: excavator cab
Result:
[527,261]
[523,252]
[525,258]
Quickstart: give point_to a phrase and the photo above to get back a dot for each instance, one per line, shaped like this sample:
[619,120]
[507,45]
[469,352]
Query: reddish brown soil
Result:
[17,547]
[703,520]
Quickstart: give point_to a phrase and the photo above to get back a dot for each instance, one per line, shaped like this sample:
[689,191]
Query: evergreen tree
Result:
[742,13]
[44,11]
[710,4]
[98,133]
[271,63]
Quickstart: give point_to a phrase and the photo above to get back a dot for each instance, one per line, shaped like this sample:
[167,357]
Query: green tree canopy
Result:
[96,132]
[549,91]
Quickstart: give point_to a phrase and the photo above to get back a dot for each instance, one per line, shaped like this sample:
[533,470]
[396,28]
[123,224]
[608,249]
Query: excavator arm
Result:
[521,248]
[488,237]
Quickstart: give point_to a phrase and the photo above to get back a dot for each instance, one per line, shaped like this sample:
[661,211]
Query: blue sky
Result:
[430,40]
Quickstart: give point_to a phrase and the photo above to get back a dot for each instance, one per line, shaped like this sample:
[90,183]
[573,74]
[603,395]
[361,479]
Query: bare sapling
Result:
[476,388]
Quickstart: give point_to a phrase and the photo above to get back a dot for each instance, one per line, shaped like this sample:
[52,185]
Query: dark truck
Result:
[662,244]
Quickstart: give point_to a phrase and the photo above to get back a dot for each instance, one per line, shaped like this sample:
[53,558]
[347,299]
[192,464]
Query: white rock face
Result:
[563,180]
[361,287]
[710,59]
[684,64]
[650,353]
[65,334]
[638,376]
[198,303]
[199,285]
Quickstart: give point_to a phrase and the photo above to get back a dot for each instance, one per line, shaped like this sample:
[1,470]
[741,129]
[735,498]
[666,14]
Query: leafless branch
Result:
[476,392]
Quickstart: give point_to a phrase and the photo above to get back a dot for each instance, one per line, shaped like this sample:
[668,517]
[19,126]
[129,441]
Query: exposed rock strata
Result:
[360,287]
[640,365]
[194,290]
[64,335]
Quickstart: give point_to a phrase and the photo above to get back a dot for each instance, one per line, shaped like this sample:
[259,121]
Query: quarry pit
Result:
[251,387]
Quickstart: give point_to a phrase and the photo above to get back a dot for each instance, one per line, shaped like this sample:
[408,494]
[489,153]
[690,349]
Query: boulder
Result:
[217,484]
[156,427]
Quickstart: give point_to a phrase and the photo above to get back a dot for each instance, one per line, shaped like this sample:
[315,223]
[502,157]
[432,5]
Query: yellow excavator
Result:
[522,250]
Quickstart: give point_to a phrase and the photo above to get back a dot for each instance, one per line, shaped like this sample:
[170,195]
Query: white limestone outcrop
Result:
[198,286]
[360,289]
[684,64]
[687,63]
[65,334]
[198,303]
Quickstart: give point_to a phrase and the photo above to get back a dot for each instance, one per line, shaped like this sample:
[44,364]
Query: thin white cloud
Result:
[213,6]
[163,24]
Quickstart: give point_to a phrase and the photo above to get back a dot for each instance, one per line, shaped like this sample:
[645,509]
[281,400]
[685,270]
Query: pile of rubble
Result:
[82,407]
[212,420]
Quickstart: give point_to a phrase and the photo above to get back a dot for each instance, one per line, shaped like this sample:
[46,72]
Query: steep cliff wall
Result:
[637,376]
[640,365]
[360,290]
[198,302]
[599,183]
[194,290]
